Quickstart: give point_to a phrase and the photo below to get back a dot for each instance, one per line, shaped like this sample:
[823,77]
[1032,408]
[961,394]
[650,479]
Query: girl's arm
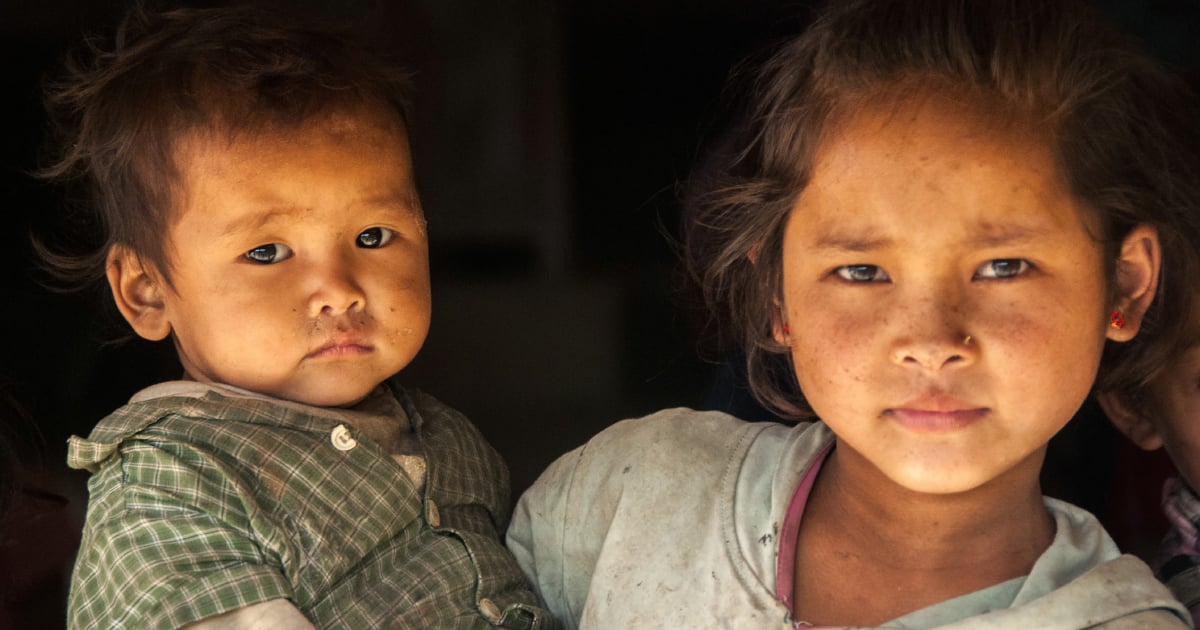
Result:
[277,614]
[536,538]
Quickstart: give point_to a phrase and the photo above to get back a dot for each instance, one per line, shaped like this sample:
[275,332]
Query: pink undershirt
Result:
[785,572]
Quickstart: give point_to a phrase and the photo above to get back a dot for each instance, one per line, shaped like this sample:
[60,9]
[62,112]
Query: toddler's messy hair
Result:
[120,108]
[1124,133]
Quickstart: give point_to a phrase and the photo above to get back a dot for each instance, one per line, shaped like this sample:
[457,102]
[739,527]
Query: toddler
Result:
[252,182]
[937,217]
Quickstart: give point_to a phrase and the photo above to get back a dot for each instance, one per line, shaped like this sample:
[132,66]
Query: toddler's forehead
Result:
[234,150]
[268,129]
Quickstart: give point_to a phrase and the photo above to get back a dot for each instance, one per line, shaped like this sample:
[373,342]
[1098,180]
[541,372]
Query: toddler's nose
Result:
[337,292]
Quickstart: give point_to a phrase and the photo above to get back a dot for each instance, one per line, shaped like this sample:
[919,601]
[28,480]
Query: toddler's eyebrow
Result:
[256,220]
[404,203]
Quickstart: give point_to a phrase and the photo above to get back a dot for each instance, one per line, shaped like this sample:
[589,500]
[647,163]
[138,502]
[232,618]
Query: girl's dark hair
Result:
[1123,130]
[120,107]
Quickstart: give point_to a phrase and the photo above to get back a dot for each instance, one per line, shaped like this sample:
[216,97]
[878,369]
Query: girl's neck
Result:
[913,549]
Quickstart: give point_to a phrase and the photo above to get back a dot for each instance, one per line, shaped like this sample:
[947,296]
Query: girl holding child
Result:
[941,220]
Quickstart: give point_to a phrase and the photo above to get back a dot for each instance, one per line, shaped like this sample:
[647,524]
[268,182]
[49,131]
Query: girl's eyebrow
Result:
[850,237]
[1000,235]
[850,243]
[834,239]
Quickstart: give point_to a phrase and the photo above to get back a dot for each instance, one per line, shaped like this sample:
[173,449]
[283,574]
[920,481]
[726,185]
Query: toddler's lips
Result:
[341,348]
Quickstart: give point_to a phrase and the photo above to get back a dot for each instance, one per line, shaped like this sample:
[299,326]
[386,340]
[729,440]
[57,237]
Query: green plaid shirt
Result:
[199,506]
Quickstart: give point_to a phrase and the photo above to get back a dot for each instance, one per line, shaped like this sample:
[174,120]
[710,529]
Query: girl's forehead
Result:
[915,136]
[900,117]
[937,158]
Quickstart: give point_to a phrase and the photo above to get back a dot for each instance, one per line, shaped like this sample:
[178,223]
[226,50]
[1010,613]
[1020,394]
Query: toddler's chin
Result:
[322,394]
[339,398]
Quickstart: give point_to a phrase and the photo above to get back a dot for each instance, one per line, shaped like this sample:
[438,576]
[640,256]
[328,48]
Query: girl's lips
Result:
[936,412]
[933,421]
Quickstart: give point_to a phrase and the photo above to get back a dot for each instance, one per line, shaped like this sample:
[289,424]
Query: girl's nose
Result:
[935,353]
[933,336]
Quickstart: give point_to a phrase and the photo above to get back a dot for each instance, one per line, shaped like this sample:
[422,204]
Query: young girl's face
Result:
[944,294]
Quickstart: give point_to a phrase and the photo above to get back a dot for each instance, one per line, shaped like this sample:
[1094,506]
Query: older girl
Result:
[942,216]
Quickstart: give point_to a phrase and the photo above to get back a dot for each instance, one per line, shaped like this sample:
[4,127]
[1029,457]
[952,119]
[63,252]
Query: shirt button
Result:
[490,610]
[432,514]
[341,439]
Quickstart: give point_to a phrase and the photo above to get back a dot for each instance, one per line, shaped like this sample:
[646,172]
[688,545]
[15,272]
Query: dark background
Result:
[551,141]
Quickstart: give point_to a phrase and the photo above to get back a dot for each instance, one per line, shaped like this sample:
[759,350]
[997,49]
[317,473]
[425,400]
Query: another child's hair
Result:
[119,110]
[1123,130]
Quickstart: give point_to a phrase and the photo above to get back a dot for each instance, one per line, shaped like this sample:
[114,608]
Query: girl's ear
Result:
[138,292]
[1138,266]
[779,326]
[1139,429]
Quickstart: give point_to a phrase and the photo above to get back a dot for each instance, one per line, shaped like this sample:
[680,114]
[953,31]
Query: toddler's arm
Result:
[167,543]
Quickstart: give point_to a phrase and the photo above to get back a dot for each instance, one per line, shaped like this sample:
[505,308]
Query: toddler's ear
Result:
[1137,427]
[137,290]
[1138,265]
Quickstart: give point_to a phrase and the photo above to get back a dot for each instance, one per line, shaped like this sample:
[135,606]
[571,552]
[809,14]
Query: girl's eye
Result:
[1002,268]
[269,254]
[862,273]
[375,237]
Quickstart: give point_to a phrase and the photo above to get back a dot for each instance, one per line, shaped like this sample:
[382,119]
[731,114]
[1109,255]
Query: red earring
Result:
[1116,320]
[787,330]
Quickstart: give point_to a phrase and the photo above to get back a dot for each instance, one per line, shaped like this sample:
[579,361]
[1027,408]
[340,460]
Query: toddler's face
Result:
[924,224]
[299,262]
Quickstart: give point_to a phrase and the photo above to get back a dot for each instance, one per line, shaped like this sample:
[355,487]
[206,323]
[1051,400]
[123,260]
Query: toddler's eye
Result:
[1002,268]
[375,237]
[862,273]
[268,254]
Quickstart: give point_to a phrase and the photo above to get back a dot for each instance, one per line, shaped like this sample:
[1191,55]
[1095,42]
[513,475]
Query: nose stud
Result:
[967,340]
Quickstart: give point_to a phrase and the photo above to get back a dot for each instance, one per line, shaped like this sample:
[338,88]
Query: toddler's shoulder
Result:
[442,426]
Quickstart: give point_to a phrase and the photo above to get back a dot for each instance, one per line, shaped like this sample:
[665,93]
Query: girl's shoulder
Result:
[612,517]
[674,461]
[691,440]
